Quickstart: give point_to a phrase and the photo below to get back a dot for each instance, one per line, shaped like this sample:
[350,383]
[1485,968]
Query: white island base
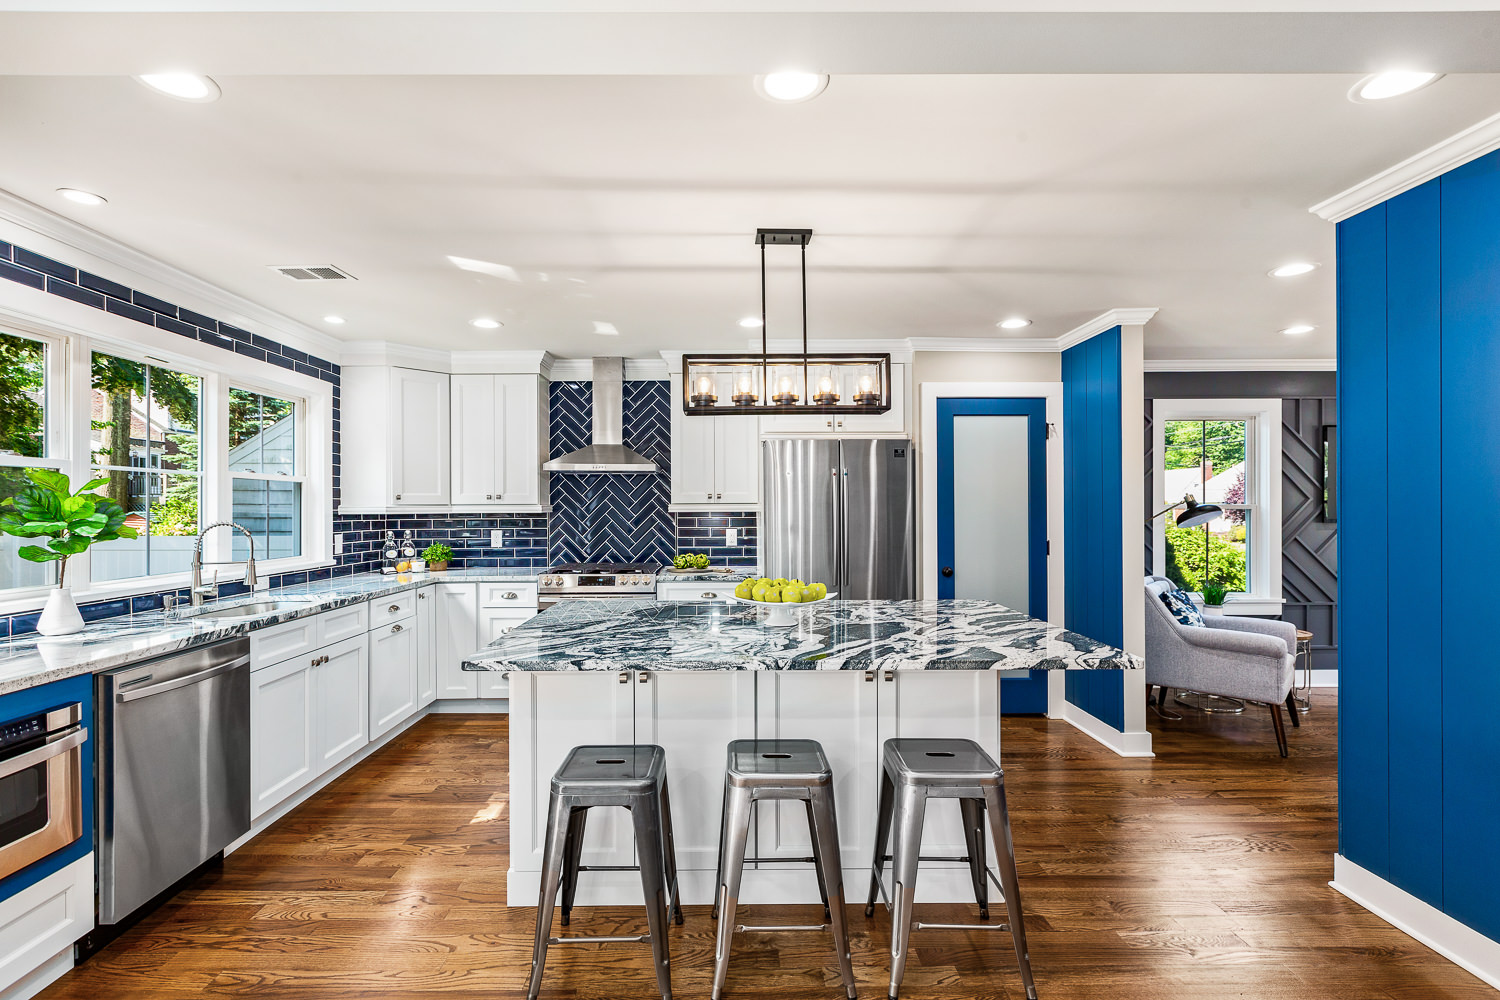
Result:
[694,714]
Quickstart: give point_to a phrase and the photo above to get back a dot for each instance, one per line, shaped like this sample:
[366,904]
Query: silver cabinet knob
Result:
[708,496]
[718,496]
[398,496]
[830,423]
[421,597]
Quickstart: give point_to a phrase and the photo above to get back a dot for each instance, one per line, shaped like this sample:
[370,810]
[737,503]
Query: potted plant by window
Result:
[1213,597]
[71,522]
[437,555]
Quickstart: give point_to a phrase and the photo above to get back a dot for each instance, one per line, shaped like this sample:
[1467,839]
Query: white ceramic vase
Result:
[60,616]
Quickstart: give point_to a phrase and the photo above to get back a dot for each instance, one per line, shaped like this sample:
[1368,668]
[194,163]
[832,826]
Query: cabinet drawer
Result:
[336,626]
[394,608]
[280,642]
[690,591]
[520,596]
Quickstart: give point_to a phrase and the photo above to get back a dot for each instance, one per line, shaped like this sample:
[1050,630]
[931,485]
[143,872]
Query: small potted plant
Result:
[1213,597]
[71,522]
[437,555]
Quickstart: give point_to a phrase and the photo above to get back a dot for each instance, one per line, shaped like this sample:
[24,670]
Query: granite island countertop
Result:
[31,660]
[713,574]
[637,634]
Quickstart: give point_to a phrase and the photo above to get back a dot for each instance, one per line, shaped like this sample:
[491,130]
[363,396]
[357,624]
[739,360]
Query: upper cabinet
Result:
[892,422]
[499,425]
[420,439]
[715,460]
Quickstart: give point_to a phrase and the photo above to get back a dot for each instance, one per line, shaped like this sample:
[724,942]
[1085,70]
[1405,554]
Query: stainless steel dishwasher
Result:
[174,769]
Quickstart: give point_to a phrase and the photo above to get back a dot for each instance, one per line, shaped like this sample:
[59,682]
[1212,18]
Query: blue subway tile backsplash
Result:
[704,532]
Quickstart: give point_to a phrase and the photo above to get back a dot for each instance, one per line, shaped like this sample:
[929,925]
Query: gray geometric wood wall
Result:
[1309,545]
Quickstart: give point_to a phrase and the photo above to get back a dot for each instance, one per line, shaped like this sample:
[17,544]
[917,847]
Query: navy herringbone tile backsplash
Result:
[612,517]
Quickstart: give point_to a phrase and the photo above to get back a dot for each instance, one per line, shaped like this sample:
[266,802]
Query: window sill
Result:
[1245,604]
[33,600]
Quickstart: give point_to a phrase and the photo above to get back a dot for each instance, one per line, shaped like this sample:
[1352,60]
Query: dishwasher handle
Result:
[180,682]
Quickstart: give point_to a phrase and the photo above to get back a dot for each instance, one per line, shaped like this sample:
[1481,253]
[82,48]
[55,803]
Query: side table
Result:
[1304,654]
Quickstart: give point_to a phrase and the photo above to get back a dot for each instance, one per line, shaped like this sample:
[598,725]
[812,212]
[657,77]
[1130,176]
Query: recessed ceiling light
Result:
[1391,83]
[751,322]
[1298,328]
[605,329]
[1292,270]
[183,86]
[1014,323]
[335,320]
[791,86]
[485,323]
[82,197]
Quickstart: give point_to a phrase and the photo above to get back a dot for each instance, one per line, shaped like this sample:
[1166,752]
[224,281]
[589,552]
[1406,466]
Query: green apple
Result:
[773,595]
[744,590]
[793,594]
[758,592]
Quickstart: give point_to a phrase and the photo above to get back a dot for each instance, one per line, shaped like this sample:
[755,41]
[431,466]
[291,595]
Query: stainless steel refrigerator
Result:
[841,511]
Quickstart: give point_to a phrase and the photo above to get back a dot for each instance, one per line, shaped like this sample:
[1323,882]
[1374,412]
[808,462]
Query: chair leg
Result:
[719,857]
[572,857]
[646,816]
[553,860]
[882,834]
[731,867]
[1292,710]
[669,849]
[1005,851]
[817,857]
[825,834]
[904,861]
[973,819]
[1280,728]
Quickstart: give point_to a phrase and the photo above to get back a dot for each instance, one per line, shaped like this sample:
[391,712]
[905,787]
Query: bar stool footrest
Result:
[919,925]
[589,939]
[776,928]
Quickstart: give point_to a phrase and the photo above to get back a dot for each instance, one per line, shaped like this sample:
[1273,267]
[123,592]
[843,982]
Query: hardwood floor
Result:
[1199,874]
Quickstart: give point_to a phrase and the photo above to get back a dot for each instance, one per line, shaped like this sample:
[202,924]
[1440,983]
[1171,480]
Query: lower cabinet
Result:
[393,675]
[426,646]
[457,636]
[306,715]
[493,623]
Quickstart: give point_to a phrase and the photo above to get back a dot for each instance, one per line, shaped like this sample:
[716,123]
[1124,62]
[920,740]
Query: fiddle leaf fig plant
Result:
[70,521]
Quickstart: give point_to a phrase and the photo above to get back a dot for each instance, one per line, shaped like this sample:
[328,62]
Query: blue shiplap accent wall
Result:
[44,699]
[1094,483]
[1419,346]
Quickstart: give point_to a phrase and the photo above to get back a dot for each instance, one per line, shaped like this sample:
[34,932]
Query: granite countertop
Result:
[836,635]
[30,660]
[719,574]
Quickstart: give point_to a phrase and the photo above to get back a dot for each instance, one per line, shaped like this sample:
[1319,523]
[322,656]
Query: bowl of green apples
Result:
[780,597]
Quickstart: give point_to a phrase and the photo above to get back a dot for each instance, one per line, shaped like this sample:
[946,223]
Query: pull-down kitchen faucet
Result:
[198,591]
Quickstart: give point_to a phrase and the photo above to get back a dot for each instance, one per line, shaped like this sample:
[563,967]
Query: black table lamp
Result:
[1194,513]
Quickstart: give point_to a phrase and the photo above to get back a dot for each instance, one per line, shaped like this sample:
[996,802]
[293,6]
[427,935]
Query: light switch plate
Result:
[731,536]
[338,544]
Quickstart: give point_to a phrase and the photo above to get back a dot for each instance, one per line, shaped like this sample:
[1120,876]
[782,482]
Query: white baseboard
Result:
[43,976]
[470,706]
[1322,678]
[794,884]
[1455,941]
[1124,744]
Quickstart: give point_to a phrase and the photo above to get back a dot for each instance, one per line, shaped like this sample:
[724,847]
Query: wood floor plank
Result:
[1201,873]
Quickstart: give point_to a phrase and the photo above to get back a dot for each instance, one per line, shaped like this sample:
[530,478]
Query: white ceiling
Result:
[940,204]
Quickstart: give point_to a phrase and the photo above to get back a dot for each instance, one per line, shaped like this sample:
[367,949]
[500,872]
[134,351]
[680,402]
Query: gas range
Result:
[596,580]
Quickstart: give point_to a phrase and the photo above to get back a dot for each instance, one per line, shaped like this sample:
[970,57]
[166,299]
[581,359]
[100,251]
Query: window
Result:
[145,436]
[23,444]
[265,473]
[1225,452]
[1206,459]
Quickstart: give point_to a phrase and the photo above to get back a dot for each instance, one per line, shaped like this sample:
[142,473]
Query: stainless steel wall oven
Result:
[41,785]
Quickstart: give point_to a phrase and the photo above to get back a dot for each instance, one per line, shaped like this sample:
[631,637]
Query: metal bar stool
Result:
[635,778]
[757,771]
[916,770]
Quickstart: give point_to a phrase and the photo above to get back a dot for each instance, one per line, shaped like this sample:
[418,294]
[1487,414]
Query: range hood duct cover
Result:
[608,452]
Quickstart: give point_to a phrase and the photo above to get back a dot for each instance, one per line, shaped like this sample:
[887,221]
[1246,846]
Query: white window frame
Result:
[73,332]
[1262,490]
[55,420]
[300,454]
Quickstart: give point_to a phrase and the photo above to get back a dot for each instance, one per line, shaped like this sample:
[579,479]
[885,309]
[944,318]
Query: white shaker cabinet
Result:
[281,731]
[493,623]
[426,646]
[393,674]
[395,439]
[715,460]
[340,690]
[499,440]
[457,629]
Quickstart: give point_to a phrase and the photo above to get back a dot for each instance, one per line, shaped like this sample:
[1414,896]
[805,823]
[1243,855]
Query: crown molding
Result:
[1242,365]
[501,362]
[1104,321]
[1472,143]
[381,352]
[582,370]
[165,280]
[985,345]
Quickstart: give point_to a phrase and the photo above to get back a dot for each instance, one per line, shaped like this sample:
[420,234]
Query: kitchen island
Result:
[692,677]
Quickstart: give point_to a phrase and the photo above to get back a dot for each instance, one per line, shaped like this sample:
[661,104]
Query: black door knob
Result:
[947,570]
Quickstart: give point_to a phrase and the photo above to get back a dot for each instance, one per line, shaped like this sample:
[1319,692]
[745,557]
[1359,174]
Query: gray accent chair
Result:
[1251,659]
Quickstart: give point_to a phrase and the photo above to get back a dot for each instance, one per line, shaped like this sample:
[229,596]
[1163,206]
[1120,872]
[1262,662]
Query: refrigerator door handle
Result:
[836,514]
[843,529]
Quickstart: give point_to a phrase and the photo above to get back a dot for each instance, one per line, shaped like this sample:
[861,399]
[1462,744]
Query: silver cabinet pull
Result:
[708,596]
[510,595]
[421,597]
[398,496]
[890,675]
[394,608]
[708,496]
[624,677]
[395,629]
[718,496]
[645,676]
[869,676]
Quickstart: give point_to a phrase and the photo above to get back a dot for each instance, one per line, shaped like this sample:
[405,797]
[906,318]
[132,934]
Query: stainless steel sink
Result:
[254,610]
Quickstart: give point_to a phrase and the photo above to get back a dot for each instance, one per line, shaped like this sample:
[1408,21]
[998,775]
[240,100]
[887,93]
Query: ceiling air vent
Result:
[313,272]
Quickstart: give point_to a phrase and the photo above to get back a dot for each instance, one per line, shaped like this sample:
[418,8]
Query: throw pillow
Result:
[1182,608]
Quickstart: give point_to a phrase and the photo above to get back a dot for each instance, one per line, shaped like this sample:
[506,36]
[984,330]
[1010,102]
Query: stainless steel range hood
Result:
[607,453]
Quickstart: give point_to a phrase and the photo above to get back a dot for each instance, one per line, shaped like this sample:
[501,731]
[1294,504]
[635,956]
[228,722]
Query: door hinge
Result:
[1049,546]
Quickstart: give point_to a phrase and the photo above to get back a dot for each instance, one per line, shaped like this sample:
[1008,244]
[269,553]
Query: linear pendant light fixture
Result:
[826,382]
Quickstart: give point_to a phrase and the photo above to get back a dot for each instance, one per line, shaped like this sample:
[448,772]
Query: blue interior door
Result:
[992,516]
